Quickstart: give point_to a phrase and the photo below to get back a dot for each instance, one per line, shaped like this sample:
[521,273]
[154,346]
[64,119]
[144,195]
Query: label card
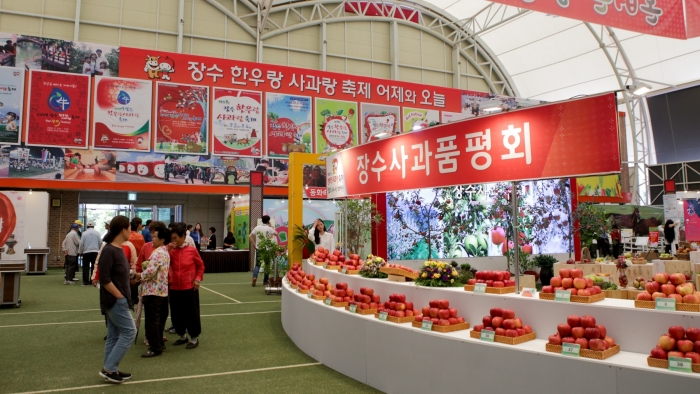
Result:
[353,308]
[680,364]
[487,335]
[308,295]
[344,270]
[383,315]
[570,349]
[427,325]
[480,288]
[325,265]
[666,304]
[298,290]
[562,296]
[328,301]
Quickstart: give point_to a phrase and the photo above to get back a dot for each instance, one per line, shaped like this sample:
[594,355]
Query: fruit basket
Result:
[438,328]
[576,298]
[363,311]
[588,353]
[639,260]
[681,307]
[399,320]
[659,363]
[398,272]
[302,291]
[682,256]
[493,290]
[507,340]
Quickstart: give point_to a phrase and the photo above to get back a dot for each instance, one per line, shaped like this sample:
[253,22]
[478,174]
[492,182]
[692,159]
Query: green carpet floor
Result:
[54,342]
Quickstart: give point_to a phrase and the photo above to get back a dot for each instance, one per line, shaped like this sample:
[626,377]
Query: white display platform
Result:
[402,359]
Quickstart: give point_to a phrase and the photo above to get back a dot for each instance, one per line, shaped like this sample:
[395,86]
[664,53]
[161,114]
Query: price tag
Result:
[480,288]
[427,325]
[328,301]
[562,296]
[325,265]
[297,290]
[308,295]
[383,315]
[353,308]
[680,364]
[666,304]
[487,335]
[570,349]
[344,270]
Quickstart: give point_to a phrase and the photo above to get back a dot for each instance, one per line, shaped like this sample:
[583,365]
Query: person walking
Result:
[154,290]
[146,232]
[186,273]
[255,237]
[90,244]
[115,300]
[70,250]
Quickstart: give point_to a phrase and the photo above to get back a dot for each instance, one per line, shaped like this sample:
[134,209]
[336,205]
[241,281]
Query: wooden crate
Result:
[619,294]
[399,272]
[678,265]
[659,363]
[339,304]
[333,267]
[398,320]
[505,339]
[588,353]
[351,272]
[679,307]
[300,291]
[450,328]
[493,290]
[364,311]
[575,298]
[318,297]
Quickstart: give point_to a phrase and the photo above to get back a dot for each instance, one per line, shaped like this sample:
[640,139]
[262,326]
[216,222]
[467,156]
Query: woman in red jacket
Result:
[185,274]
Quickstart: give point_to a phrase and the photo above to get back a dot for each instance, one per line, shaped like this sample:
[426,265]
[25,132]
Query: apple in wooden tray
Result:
[366,299]
[397,306]
[504,323]
[351,263]
[440,313]
[679,342]
[402,267]
[675,286]
[492,279]
[573,281]
[582,330]
[298,277]
[341,292]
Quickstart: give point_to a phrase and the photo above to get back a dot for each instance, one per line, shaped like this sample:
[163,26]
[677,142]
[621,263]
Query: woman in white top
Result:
[320,236]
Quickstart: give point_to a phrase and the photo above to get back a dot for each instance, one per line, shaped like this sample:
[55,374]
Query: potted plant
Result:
[546,264]
[270,253]
[301,238]
[361,214]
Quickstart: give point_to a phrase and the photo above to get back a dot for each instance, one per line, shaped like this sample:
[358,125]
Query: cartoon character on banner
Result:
[155,68]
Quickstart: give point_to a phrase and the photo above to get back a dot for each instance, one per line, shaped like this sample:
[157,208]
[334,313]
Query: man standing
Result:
[70,250]
[89,246]
[255,237]
[100,59]
[147,231]
[136,238]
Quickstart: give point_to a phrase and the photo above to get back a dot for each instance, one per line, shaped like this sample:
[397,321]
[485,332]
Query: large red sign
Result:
[202,70]
[657,17]
[566,139]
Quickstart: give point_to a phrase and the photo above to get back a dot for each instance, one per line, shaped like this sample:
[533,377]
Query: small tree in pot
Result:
[546,264]
[269,253]
[361,214]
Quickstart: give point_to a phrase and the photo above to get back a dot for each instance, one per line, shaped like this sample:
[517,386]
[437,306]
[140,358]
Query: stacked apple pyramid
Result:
[670,286]
[584,331]
[441,315]
[298,278]
[505,324]
[321,288]
[398,309]
[573,281]
[679,343]
[366,301]
[352,265]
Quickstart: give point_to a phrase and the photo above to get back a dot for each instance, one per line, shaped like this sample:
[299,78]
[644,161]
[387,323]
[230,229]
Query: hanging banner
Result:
[288,125]
[691,219]
[379,121]
[57,114]
[181,119]
[416,119]
[237,122]
[122,114]
[12,100]
[336,125]
[560,140]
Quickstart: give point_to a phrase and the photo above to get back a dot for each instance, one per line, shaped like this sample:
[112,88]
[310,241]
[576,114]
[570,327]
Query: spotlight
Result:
[639,89]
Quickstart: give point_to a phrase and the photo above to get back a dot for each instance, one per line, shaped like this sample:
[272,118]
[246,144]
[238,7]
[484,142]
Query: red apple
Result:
[610,341]
[489,283]
[567,283]
[568,340]
[589,282]
[584,292]
[498,283]
[443,304]
[677,333]
[453,312]
[657,295]
[564,330]
[434,312]
[577,273]
[497,322]
[592,333]
[677,279]
[452,320]
[496,312]
[644,296]
[659,353]
[573,320]
[597,344]
[555,281]
[684,345]
[508,314]
[409,312]
[511,333]
[588,321]
[555,340]
[694,357]
[487,321]
[433,303]
[667,343]
[693,333]
[676,354]
[547,289]
[520,331]
[471,282]
[478,327]
[661,277]
[409,305]
[460,319]
[500,331]
[435,320]
[573,291]
[602,330]
[443,322]
[444,313]
[668,289]
[400,306]
[518,322]
[685,289]
[426,311]
[578,332]
[418,318]
[527,329]
[341,286]
[509,324]
[652,287]
[677,297]
[583,342]
[696,346]
[565,273]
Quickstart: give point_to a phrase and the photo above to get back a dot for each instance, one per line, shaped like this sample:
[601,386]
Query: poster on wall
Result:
[288,124]
[140,167]
[11,104]
[448,117]
[604,188]
[416,119]
[37,53]
[278,210]
[336,125]
[57,113]
[237,122]
[90,165]
[379,121]
[35,162]
[238,219]
[314,181]
[181,118]
[122,114]
[691,219]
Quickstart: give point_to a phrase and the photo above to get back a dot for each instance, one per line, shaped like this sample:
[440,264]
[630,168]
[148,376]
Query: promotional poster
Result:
[35,162]
[416,119]
[288,124]
[11,104]
[181,118]
[336,125]
[237,122]
[379,121]
[90,165]
[122,114]
[691,218]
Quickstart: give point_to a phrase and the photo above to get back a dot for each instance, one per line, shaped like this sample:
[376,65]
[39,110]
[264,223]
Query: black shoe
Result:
[124,375]
[150,354]
[112,377]
[180,342]
[105,338]
[192,345]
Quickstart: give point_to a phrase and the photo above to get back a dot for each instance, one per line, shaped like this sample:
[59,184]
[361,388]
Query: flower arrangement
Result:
[370,269]
[438,274]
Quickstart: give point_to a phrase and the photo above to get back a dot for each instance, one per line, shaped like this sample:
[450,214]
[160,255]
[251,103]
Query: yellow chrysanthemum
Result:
[452,281]
[436,276]
[425,275]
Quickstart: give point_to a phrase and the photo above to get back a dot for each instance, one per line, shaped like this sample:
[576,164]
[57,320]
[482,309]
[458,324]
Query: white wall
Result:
[32,221]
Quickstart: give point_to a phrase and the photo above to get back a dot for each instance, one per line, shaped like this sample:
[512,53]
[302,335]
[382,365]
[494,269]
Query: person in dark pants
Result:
[90,244]
[669,234]
[186,273]
[615,237]
[212,239]
[154,290]
[70,250]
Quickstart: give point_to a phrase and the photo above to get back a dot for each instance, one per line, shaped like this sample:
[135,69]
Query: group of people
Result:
[158,265]
[96,64]
[188,172]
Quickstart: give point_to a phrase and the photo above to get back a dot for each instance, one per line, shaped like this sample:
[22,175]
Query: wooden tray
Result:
[576,298]
[493,290]
[664,258]
[588,353]
[320,264]
[339,304]
[400,272]
[682,256]
[505,339]
[333,267]
[302,291]
[363,311]
[293,286]
[679,307]
[350,272]
[436,328]
[619,294]
[317,297]
[659,363]
[399,320]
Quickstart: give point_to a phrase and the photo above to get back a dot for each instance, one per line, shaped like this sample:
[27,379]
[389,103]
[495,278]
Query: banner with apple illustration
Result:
[416,119]
[57,113]
[122,114]
[379,121]
[181,119]
[336,125]
[288,124]
[12,99]
[237,125]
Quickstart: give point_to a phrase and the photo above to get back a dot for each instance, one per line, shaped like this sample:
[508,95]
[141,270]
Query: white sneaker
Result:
[68,282]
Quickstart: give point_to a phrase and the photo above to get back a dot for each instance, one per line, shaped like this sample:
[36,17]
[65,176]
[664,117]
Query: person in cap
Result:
[70,250]
[90,243]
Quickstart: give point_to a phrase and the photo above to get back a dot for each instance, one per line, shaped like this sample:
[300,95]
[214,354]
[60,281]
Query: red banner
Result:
[202,70]
[657,17]
[566,139]
[181,119]
[57,114]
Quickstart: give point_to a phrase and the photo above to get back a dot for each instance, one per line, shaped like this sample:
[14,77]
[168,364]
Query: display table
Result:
[37,260]
[10,275]
[399,358]
[225,261]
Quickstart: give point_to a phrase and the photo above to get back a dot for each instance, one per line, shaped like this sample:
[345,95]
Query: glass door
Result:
[144,212]
[169,214]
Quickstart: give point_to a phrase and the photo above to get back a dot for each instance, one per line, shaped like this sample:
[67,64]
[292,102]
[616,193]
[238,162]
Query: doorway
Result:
[99,214]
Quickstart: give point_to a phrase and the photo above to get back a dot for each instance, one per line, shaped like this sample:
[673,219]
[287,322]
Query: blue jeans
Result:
[121,333]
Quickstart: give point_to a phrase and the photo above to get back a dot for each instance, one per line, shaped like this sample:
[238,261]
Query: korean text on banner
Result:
[536,143]
[12,99]
[181,118]
[57,114]
[122,114]
[289,125]
[237,122]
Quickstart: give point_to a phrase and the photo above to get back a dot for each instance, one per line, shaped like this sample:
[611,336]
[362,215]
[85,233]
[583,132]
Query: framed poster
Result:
[379,121]
[237,122]
[288,125]
[122,114]
[181,118]
[57,113]
[336,125]
[416,119]
[11,104]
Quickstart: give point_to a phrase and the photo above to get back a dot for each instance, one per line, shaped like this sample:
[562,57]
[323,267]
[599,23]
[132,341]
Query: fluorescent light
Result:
[639,89]
[492,109]
[380,135]
[416,127]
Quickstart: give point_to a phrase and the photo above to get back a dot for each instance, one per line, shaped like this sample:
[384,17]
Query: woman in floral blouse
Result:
[154,290]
